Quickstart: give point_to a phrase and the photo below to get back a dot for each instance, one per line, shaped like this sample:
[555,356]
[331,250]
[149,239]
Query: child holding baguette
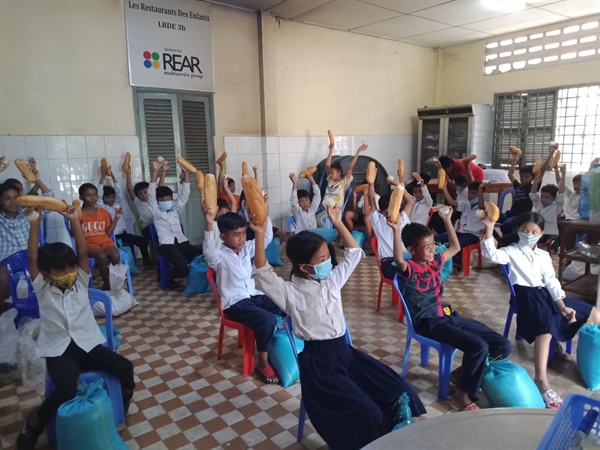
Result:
[302,208]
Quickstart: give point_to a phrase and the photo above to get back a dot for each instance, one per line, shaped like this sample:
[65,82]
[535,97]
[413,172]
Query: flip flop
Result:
[551,399]
[469,407]
[265,373]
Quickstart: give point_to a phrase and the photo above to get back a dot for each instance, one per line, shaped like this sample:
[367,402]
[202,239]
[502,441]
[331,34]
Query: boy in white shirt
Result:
[302,208]
[422,201]
[70,339]
[549,203]
[240,300]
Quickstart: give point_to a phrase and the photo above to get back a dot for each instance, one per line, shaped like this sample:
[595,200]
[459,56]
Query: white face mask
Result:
[527,240]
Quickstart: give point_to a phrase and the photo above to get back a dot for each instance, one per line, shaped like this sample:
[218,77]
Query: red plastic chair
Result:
[382,280]
[466,258]
[546,246]
[431,213]
[245,334]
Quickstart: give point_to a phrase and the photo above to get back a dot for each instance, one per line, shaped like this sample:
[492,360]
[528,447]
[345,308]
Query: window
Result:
[571,41]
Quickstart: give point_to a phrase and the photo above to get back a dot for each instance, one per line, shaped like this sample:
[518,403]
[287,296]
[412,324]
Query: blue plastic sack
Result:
[359,237]
[329,234]
[273,252]
[115,333]
[87,421]
[588,356]
[133,269]
[197,282]
[508,385]
[282,357]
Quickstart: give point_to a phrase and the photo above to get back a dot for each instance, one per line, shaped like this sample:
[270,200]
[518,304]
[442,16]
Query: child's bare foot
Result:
[460,401]
[267,374]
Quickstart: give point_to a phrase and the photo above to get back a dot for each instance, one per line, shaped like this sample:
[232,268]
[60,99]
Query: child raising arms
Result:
[70,339]
[544,311]
[349,396]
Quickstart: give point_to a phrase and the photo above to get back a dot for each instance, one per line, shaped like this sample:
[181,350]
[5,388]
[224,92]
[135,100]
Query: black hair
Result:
[426,177]
[446,162]
[460,179]
[85,187]
[303,193]
[550,189]
[413,233]
[108,190]
[577,178]
[163,191]
[4,187]
[140,187]
[526,169]
[231,221]
[337,166]
[222,203]
[302,246]
[384,201]
[56,256]
[230,180]
[531,216]
[474,185]
[13,181]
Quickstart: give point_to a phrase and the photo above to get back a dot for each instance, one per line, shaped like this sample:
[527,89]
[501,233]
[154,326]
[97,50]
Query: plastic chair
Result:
[347,195]
[466,258]
[245,334]
[289,331]
[163,263]
[291,224]
[512,309]
[112,383]
[431,213]
[546,245]
[383,280]
[502,197]
[17,266]
[446,352]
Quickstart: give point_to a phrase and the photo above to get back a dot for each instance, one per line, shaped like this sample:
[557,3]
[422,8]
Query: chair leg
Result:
[479,259]
[220,344]
[446,360]
[240,338]
[466,261]
[163,274]
[400,310]
[248,352]
[425,354]
[509,317]
[406,356]
[113,387]
[395,299]
[569,346]
[379,294]
[301,419]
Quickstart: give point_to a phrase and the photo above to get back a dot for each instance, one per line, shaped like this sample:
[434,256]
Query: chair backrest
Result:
[68,227]
[291,224]
[96,295]
[431,212]
[503,195]
[290,333]
[374,247]
[154,237]
[17,264]
[212,279]
[409,321]
[506,271]
[346,198]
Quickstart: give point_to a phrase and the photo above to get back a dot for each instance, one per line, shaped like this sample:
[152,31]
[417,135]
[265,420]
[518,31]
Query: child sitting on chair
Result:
[422,201]
[70,339]
[351,398]
[302,208]
[240,300]
[98,228]
[521,201]
[421,285]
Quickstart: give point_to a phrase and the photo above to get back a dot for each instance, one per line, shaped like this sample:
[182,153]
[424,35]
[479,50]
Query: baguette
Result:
[469,158]
[302,174]
[515,151]
[25,170]
[310,170]
[331,139]
[200,179]
[222,158]
[245,168]
[556,159]
[441,179]
[537,166]
[395,203]
[362,187]
[77,206]
[127,163]
[210,193]
[186,165]
[40,201]
[105,167]
[371,172]
[401,169]
[490,211]
[255,199]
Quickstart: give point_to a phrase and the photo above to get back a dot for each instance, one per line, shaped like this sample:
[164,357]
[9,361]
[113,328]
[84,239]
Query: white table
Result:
[499,428]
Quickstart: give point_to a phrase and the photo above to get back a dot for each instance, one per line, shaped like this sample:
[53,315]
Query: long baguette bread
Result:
[245,168]
[222,158]
[254,199]
[186,165]
[302,174]
[556,158]
[25,170]
[362,187]
[200,179]
[105,167]
[127,163]
[210,192]
[310,170]
[401,169]
[331,139]
[40,201]
[538,165]
[395,203]
[515,150]
[441,179]
[371,172]
[469,158]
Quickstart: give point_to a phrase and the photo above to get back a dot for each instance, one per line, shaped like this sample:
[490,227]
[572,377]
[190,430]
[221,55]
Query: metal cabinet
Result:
[456,131]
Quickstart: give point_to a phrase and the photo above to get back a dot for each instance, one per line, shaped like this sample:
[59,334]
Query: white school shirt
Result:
[361,202]
[336,190]
[421,208]
[550,213]
[385,233]
[462,194]
[121,226]
[234,270]
[530,268]
[305,220]
[469,223]
[571,206]
[167,223]
[314,306]
[65,316]
[145,209]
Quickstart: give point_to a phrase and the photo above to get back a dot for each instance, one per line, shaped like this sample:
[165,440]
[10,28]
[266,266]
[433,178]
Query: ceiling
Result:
[433,23]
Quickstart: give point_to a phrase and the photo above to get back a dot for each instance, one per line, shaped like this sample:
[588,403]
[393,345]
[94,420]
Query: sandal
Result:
[265,373]
[469,407]
[551,399]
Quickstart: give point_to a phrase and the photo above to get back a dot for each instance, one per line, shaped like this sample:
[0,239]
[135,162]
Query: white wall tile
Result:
[274,196]
[64,191]
[95,146]
[273,179]
[14,147]
[273,162]
[58,170]
[232,163]
[42,167]
[11,172]
[94,169]
[136,167]
[272,144]
[243,146]
[255,143]
[35,146]
[275,212]
[79,169]
[230,145]
[131,144]
[56,146]
[76,147]
[114,146]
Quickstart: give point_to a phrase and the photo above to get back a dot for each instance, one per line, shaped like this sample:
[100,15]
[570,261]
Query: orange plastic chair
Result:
[382,280]
[466,258]
[245,334]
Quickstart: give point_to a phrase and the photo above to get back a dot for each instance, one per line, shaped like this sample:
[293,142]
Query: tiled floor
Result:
[189,399]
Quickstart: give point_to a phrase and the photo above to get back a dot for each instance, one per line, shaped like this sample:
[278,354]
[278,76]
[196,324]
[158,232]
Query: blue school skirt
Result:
[538,314]
[349,396]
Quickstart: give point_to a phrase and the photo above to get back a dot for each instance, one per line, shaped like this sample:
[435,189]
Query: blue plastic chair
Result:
[503,194]
[512,309]
[291,224]
[446,352]
[163,264]
[347,195]
[289,331]
[112,384]
[17,266]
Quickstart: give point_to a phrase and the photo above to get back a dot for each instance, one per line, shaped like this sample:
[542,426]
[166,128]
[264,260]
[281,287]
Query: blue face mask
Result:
[322,270]
[165,206]
[474,202]
[527,240]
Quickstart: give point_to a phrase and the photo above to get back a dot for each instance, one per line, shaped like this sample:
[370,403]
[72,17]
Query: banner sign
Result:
[169,44]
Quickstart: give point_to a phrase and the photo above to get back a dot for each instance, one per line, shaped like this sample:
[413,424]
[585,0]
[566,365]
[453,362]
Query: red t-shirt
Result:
[476,171]
[225,197]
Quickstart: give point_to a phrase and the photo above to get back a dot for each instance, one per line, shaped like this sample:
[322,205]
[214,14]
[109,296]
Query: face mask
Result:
[527,240]
[64,281]
[165,206]
[474,202]
[322,270]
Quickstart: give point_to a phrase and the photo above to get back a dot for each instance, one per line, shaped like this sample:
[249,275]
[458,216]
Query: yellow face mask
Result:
[64,281]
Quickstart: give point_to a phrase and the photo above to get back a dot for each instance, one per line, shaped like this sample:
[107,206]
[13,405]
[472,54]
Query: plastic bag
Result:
[115,334]
[88,421]
[197,282]
[122,301]
[273,252]
[9,338]
[33,368]
[588,356]
[359,237]
[282,357]
[133,269]
[508,385]
[577,269]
